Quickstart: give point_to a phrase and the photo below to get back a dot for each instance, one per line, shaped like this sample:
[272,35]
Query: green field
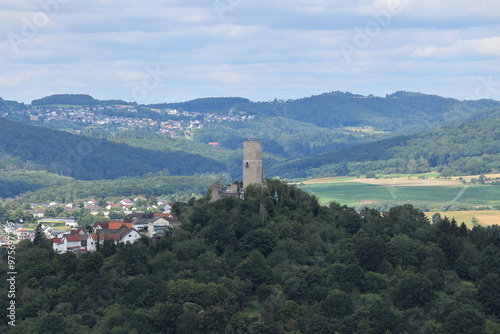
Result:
[356,194]
[350,193]
[482,196]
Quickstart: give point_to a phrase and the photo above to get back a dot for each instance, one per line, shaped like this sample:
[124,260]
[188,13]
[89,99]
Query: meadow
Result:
[435,194]
[470,218]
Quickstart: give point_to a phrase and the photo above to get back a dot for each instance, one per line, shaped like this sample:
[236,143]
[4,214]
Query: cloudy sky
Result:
[171,51]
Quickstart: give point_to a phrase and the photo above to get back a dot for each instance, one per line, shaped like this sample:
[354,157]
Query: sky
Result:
[173,51]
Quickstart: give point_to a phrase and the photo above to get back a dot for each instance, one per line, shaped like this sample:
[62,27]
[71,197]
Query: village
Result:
[68,236]
[124,117]
[122,222]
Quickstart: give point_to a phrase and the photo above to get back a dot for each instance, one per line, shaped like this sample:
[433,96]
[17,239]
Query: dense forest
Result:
[283,136]
[86,158]
[400,110]
[10,105]
[29,152]
[275,262]
[174,188]
[470,148]
[66,99]
[14,183]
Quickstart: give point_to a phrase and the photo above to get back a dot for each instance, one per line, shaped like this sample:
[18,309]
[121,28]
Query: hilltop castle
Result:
[253,172]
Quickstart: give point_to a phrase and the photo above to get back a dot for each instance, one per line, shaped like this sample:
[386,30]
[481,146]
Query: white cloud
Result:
[258,49]
[462,49]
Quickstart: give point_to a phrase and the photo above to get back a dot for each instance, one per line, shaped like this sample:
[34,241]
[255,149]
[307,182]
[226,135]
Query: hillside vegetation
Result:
[66,99]
[175,188]
[339,109]
[276,262]
[85,158]
[470,148]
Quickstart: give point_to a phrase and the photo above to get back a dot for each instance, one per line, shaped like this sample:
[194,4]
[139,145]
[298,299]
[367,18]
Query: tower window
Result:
[246,164]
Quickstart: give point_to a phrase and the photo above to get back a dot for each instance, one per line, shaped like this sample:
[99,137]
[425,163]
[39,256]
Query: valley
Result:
[402,148]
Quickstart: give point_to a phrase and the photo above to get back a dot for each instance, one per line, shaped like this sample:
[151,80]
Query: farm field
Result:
[438,194]
[485,218]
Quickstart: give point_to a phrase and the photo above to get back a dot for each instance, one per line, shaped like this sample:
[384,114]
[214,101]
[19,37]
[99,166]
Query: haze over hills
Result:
[333,133]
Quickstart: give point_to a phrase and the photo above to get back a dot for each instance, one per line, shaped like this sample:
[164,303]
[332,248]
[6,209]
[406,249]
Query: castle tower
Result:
[252,162]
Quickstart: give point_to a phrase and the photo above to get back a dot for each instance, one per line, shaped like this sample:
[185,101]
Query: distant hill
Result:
[209,104]
[66,99]
[339,109]
[91,159]
[10,105]
[396,111]
[465,148]
[305,127]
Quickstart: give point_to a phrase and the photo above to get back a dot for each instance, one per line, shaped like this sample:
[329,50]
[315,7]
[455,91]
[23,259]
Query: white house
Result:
[25,234]
[70,243]
[157,224]
[129,235]
[75,241]
[123,235]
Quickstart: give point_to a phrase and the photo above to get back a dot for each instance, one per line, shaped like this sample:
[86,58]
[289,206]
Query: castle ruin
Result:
[253,172]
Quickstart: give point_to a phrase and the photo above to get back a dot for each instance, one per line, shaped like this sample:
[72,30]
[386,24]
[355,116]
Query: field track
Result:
[401,182]
[439,194]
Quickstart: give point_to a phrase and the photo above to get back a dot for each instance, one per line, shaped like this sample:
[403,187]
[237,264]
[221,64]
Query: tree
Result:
[39,235]
[464,321]
[436,218]
[412,290]
[213,320]
[337,304]
[188,322]
[108,247]
[49,212]
[370,251]
[261,239]
[255,268]
[488,293]
[90,263]
[406,219]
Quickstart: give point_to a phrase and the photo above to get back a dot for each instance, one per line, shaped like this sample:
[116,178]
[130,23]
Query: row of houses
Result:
[126,231]
[19,231]
[125,205]
[80,240]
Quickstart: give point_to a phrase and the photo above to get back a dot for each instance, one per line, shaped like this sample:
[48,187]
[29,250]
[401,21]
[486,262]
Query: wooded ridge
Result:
[276,262]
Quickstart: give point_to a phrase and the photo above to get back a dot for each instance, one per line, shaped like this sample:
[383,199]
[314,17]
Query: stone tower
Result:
[252,162]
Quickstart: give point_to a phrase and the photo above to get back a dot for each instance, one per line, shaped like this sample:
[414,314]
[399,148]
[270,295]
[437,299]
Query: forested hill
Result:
[25,146]
[68,99]
[209,104]
[275,262]
[458,149]
[339,109]
[8,105]
[398,111]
